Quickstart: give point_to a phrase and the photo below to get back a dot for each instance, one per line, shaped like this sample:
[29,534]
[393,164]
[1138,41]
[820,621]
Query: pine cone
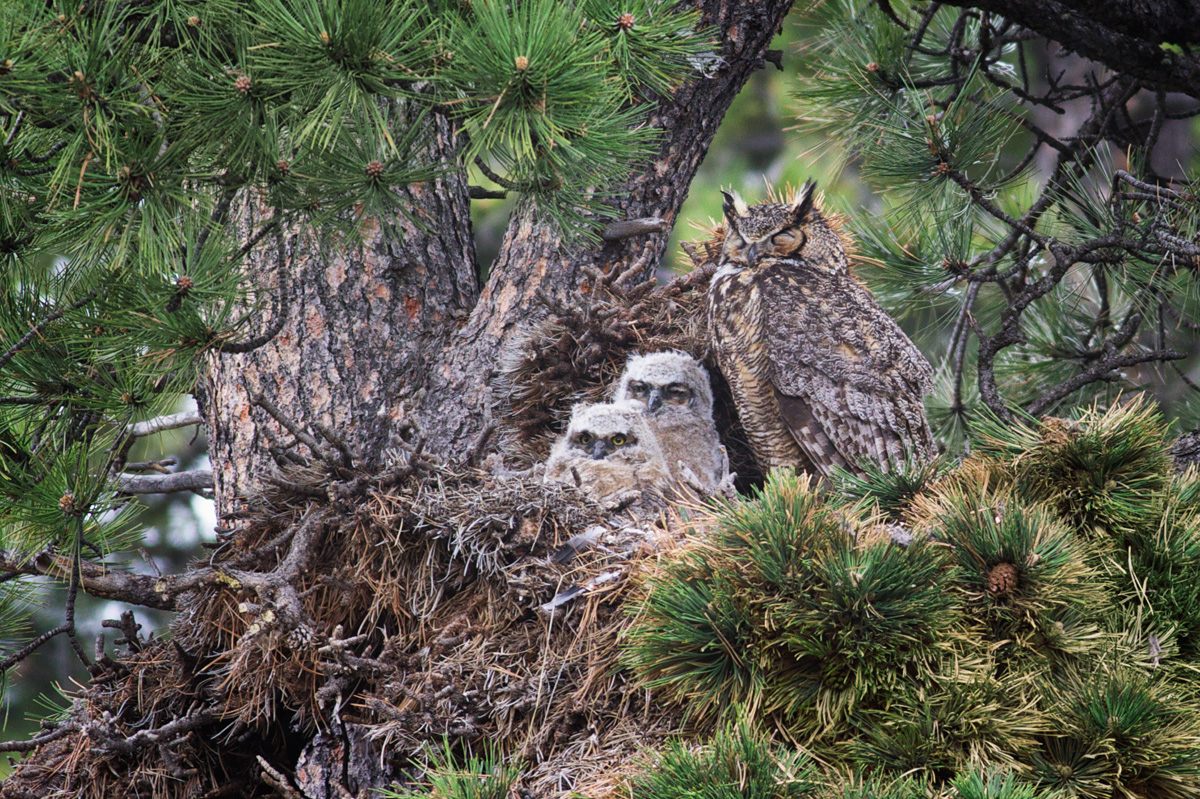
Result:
[1002,579]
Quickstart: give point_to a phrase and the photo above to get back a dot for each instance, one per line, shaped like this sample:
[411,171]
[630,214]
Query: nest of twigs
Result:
[577,351]
[404,609]
[409,609]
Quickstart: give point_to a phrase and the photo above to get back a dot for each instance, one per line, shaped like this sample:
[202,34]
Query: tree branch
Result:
[1126,37]
[197,480]
[628,228]
[1097,372]
[37,328]
[97,580]
[161,423]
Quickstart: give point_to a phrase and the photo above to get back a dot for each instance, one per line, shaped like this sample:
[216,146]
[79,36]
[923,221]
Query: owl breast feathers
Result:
[821,375]
[609,451]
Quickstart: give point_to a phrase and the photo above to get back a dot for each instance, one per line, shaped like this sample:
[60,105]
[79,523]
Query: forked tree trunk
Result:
[398,332]
[368,347]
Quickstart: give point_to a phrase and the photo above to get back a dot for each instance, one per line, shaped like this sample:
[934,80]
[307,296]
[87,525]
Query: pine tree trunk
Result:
[361,338]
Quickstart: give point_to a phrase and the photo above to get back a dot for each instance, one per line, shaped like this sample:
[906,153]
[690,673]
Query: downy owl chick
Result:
[820,374]
[612,451]
[675,391]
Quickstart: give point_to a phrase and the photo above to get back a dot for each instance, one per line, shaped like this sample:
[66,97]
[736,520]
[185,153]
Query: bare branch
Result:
[36,741]
[28,649]
[628,228]
[1124,36]
[161,423]
[480,193]
[196,480]
[168,732]
[1097,372]
[97,580]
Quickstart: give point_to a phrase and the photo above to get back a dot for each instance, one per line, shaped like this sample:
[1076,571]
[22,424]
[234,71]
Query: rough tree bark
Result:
[361,331]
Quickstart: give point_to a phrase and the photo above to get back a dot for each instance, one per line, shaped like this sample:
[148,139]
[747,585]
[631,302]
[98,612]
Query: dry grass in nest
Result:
[416,612]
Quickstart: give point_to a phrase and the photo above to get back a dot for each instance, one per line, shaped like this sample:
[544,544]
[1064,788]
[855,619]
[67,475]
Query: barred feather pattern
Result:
[737,330]
[821,375]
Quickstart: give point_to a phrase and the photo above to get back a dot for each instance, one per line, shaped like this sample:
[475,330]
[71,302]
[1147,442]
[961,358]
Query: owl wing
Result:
[848,381]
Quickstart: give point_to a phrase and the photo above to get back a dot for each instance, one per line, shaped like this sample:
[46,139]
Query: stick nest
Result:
[400,615]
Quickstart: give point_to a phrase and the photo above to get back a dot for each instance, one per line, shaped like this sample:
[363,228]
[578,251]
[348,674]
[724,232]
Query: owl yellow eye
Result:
[618,440]
[637,389]
[585,438]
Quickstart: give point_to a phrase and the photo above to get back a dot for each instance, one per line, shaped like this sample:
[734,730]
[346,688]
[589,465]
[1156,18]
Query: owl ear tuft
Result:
[802,205]
[734,206]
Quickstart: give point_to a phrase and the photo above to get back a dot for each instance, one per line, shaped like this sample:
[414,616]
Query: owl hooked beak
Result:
[654,401]
[599,450]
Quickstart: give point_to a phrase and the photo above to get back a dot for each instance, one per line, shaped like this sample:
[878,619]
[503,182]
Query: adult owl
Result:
[609,450]
[820,374]
[675,391]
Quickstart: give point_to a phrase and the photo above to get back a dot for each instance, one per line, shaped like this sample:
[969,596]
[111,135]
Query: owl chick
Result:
[612,451]
[820,374]
[675,391]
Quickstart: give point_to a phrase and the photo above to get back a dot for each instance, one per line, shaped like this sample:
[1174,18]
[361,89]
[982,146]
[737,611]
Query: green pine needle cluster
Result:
[1103,471]
[449,775]
[796,612]
[1021,572]
[1108,474]
[739,763]
[538,99]
[1035,638]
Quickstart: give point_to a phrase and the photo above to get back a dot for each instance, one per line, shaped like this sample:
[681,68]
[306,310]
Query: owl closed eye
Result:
[653,396]
[766,230]
[674,390]
[822,377]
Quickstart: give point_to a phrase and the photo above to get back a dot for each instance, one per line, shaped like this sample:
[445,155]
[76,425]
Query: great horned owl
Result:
[612,451]
[821,375]
[675,391]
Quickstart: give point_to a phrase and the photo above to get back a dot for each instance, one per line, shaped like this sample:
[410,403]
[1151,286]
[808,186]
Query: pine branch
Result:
[161,423]
[283,307]
[628,228]
[38,740]
[1097,372]
[72,594]
[172,730]
[96,579]
[29,649]
[199,481]
[1123,36]
[36,330]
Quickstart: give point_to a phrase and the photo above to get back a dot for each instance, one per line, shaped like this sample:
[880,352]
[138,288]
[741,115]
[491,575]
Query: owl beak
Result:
[598,450]
[751,253]
[654,401]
